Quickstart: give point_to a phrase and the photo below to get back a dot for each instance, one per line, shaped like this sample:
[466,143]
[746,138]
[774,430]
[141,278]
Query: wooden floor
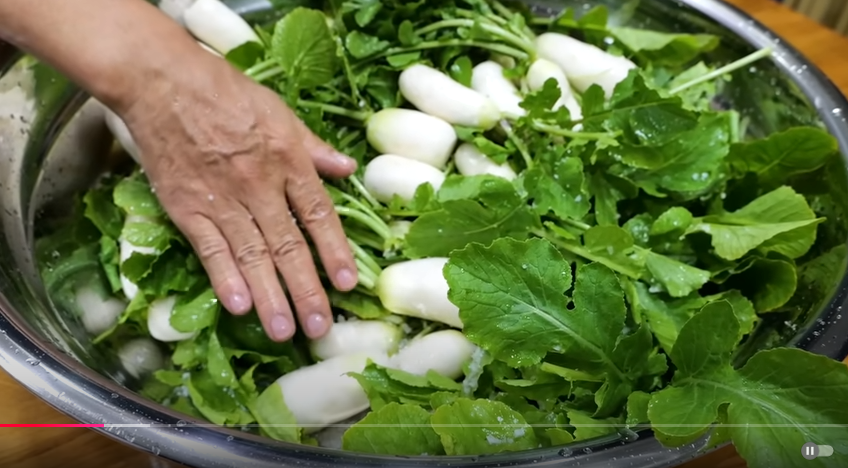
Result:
[42,448]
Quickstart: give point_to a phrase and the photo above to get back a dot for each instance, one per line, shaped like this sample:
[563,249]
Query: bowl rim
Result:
[91,398]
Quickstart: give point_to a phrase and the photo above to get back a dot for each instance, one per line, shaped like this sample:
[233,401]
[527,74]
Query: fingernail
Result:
[281,327]
[239,304]
[317,325]
[346,279]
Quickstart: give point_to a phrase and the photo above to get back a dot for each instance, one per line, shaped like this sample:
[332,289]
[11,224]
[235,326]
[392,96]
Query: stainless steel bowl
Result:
[53,142]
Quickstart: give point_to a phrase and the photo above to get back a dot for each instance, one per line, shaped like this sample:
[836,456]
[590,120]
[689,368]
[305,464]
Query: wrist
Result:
[152,67]
[115,50]
[121,86]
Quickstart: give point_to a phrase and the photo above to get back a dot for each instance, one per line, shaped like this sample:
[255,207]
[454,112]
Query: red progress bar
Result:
[52,425]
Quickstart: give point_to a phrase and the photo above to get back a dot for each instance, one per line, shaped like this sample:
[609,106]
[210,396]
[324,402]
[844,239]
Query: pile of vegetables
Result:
[559,236]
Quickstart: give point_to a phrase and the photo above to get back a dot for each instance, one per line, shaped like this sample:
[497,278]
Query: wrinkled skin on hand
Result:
[235,169]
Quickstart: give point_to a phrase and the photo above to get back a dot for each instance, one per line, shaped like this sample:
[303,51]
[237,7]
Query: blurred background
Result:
[830,13]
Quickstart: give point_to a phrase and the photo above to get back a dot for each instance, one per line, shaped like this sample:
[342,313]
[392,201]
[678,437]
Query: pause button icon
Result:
[810,451]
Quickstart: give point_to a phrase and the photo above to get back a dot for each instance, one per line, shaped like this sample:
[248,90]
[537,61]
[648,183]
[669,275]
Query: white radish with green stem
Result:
[412,134]
[418,288]
[471,162]
[159,321]
[444,351]
[215,24]
[543,70]
[390,175]
[487,78]
[323,393]
[127,249]
[437,94]
[99,312]
[141,357]
[357,336]
[584,64]
[408,133]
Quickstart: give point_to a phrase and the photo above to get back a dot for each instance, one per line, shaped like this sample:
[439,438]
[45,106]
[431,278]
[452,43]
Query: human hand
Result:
[233,167]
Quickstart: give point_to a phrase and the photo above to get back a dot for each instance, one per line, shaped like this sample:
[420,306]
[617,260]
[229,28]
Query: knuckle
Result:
[251,254]
[315,210]
[264,307]
[249,171]
[210,249]
[229,216]
[278,146]
[170,193]
[263,303]
[308,296]
[287,246]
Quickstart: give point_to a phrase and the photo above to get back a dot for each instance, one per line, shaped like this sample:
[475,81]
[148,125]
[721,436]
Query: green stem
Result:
[424,331]
[548,22]
[450,166]
[103,336]
[582,252]
[366,210]
[363,239]
[339,29]
[505,12]
[581,226]
[491,46]
[490,28]
[260,67]
[365,258]
[335,110]
[574,375]
[577,224]
[554,130]
[357,184]
[735,127]
[379,228]
[747,60]
[342,94]
[366,277]
[402,214]
[524,34]
[500,9]
[361,206]
[522,148]
[541,21]
[365,291]
[268,74]
[351,78]
[394,319]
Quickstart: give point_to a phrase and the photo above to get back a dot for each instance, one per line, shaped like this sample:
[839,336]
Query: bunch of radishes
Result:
[417,144]
[415,147]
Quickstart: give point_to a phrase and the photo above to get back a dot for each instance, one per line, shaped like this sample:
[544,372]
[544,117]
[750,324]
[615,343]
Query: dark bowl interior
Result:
[53,143]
